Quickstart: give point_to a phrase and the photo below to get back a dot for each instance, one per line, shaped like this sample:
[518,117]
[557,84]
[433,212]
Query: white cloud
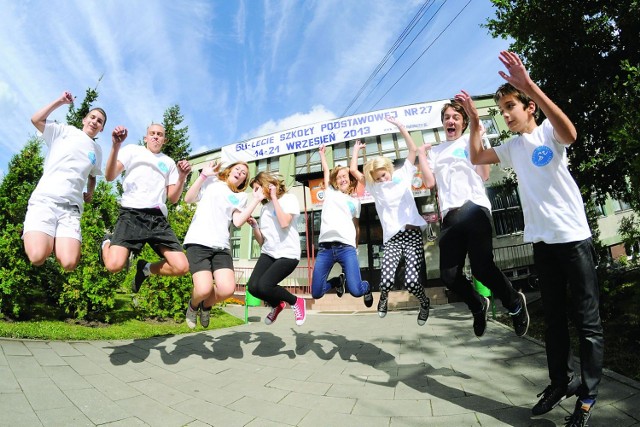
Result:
[318,113]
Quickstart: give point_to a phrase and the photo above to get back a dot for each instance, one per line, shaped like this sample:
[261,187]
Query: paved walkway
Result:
[335,370]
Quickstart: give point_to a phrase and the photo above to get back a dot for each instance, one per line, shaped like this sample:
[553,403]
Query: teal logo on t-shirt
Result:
[460,153]
[352,207]
[396,180]
[233,199]
[92,157]
[163,167]
[542,156]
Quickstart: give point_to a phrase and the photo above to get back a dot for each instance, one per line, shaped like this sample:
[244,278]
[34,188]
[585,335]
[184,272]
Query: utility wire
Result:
[407,30]
[421,55]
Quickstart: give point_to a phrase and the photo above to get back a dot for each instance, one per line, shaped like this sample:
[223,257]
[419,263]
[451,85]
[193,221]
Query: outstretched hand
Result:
[213,168]
[464,99]
[184,167]
[517,75]
[394,121]
[66,97]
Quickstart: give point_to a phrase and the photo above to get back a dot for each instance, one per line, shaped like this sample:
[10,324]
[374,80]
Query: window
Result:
[235,242]
[308,161]
[311,221]
[506,210]
[491,133]
[620,205]
[272,164]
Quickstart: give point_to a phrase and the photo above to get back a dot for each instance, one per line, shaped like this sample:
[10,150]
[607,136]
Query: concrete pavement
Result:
[352,370]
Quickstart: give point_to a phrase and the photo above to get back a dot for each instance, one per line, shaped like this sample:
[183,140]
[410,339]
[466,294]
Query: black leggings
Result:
[266,275]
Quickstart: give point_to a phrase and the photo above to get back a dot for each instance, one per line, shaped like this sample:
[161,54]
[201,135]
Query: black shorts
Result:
[135,227]
[204,258]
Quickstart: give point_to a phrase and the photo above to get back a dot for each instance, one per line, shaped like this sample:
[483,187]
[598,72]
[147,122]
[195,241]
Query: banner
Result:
[303,138]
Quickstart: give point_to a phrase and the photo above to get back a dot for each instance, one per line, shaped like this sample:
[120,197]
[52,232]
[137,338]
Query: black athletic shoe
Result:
[106,238]
[581,414]
[521,317]
[423,314]
[140,276]
[554,394]
[340,285]
[480,318]
[368,297]
[382,306]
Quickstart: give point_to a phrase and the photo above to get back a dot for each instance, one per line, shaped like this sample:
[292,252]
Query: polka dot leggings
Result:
[408,244]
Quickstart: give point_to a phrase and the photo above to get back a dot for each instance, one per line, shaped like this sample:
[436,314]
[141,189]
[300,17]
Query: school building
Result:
[293,154]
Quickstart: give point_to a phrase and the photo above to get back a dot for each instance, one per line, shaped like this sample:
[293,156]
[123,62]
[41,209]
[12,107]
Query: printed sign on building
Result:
[303,138]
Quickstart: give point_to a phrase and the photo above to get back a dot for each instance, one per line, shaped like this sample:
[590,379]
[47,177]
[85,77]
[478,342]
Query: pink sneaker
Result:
[271,317]
[300,311]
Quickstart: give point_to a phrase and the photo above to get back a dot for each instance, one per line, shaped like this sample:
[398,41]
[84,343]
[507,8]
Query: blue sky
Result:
[237,69]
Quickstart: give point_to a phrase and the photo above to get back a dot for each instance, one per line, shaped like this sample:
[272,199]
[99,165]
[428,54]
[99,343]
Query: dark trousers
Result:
[266,276]
[467,230]
[573,265]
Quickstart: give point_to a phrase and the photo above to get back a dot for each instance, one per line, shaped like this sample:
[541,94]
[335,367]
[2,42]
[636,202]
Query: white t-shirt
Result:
[457,179]
[338,211]
[551,201]
[279,242]
[71,158]
[216,205]
[146,177]
[394,202]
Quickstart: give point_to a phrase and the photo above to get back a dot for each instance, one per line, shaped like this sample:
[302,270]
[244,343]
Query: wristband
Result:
[254,226]
[202,175]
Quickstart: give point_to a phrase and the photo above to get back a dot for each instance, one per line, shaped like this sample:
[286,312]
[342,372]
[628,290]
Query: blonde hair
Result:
[222,176]
[374,164]
[264,179]
[333,179]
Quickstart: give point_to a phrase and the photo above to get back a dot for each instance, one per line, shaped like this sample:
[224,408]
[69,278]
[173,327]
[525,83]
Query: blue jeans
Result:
[345,255]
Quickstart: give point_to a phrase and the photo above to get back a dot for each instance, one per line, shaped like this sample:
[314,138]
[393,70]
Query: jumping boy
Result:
[151,178]
[52,222]
[556,223]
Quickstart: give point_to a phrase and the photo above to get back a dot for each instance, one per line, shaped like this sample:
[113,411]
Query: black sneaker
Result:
[382,306]
[140,276]
[106,238]
[581,414]
[423,314]
[340,286]
[554,394]
[521,317]
[480,318]
[368,297]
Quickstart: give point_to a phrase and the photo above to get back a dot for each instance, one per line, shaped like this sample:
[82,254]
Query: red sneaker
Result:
[271,317]
[300,311]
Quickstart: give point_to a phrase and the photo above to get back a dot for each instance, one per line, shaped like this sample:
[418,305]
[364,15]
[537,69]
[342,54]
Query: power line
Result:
[424,27]
[407,30]
[421,55]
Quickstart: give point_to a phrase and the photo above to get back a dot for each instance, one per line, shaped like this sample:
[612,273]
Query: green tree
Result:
[585,55]
[177,145]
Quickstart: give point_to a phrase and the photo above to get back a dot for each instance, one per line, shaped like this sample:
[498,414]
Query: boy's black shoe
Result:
[521,317]
[340,285]
[140,276]
[581,414]
[106,238]
[382,306]
[480,318]
[554,394]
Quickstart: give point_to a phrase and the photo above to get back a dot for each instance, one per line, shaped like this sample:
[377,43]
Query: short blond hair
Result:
[374,164]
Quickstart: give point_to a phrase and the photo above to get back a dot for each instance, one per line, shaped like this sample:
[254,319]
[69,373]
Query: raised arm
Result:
[411,145]
[475,129]
[174,191]
[565,131]
[193,193]
[113,168]
[39,119]
[427,174]
[353,165]
[284,218]
[326,173]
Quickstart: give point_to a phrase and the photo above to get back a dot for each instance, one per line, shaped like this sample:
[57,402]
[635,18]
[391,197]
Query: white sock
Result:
[147,269]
